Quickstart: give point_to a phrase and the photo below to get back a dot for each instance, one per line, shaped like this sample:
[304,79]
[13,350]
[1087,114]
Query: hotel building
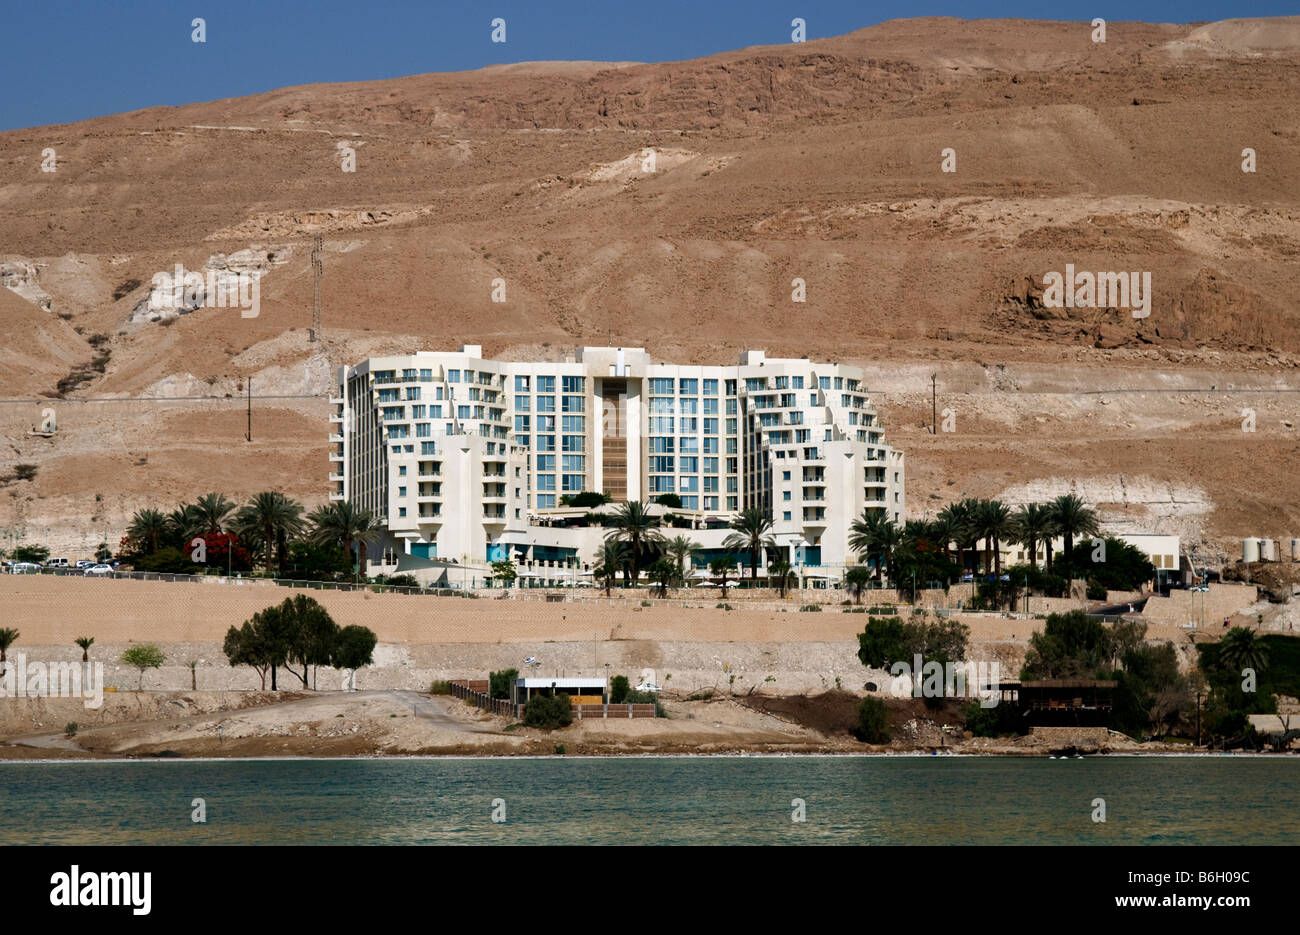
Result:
[467,460]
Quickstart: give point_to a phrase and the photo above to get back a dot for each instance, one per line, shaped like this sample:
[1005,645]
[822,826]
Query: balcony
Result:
[336,439]
[336,456]
[335,476]
[337,495]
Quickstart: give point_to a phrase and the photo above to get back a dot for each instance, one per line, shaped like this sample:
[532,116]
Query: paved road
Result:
[426,707]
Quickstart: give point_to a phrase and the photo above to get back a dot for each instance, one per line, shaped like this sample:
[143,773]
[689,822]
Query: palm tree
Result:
[181,524]
[85,643]
[679,550]
[782,572]
[342,524]
[874,537]
[147,526]
[270,518]
[663,573]
[211,513]
[856,578]
[1072,519]
[609,562]
[1239,649]
[750,533]
[1032,524]
[633,524]
[8,636]
[721,568]
[993,518]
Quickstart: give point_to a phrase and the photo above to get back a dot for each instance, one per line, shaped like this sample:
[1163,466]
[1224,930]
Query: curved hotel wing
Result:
[466,459]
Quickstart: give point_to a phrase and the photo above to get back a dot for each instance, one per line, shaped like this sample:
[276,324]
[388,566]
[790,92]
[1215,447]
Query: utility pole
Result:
[248,386]
[934,406]
[316,268]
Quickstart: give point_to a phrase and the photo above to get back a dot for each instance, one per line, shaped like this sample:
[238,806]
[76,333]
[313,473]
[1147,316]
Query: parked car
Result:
[97,571]
[86,562]
[25,568]
[57,563]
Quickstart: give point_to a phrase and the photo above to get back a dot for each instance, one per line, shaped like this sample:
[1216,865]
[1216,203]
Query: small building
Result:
[579,690]
[1064,702]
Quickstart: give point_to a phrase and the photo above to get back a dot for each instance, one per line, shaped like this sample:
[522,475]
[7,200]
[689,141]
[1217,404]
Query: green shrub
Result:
[810,608]
[499,682]
[636,697]
[548,713]
[70,729]
[559,749]
[618,689]
[1096,591]
[999,720]
[439,687]
[645,604]
[724,607]
[873,721]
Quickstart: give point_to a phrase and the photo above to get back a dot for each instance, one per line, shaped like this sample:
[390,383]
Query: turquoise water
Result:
[656,800]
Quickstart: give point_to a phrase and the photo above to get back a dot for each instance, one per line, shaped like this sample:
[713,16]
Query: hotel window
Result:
[572,423]
[710,465]
[417,412]
[571,483]
[546,501]
[689,387]
[392,413]
[661,464]
[662,405]
[523,441]
[690,465]
[453,376]
[399,431]
[428,448]
[545,481]
[388,396]
[521,384]
[572,463]
[545,403]
[524,403]
[710,388]
[546,462]
[573,403]
[661,484]
[710,485]
[523,424]
[462,412]
[689,446]
[689,424]
[731,504]
[710,503]
[546,384]
[688,406]
[796,383]
[690,503]
[785,495]
[401,511]
[824,382]
[574,443]
[710,407]
[731,485]
[661,425]
[839,383]
[731,407]
[571,384]
[661,445]
[731,387]
[412,392]
[426,376]
[401,470]
[755,384]
[782,383]
[401,491]
[661,386]
[546,423]
[423,430]
[545,442]
[786,516]
[710,446]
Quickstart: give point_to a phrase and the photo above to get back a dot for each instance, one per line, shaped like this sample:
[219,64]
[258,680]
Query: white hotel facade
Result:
[465,460]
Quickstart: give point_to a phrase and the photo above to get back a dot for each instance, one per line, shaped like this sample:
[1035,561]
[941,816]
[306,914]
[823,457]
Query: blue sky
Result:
[66,61]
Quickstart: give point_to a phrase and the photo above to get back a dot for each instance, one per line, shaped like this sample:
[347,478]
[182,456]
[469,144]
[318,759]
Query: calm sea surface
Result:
[656,800]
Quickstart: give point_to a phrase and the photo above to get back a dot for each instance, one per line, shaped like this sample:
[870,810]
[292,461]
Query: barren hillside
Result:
[819,160]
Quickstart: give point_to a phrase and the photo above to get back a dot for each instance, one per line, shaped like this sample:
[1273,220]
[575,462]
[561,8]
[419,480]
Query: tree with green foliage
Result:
[270,519]
[609,562]
[84,643]
[663,573]
[669,500]
[143,657]
[619,687]
[37,554]
[679,549]
[548,712]
[856,579]
[586,498]
[1239,649]
[781,575]
[8,636]
[633,525]
[873,721]
[505,572]
[501,682]
[750,532]
[148,525]
[246,646]
[1070,518]
[1032,524]
[720,568]
[886,640]
[354,649]
[873,536]
[103,553]
[341,524]
[1070,645]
